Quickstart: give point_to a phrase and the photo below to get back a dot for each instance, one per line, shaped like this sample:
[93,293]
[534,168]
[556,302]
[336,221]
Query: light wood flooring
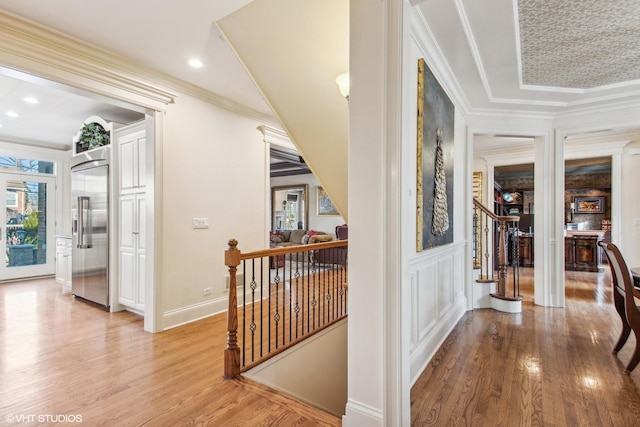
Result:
[543,367]
[546,366]
[63,357]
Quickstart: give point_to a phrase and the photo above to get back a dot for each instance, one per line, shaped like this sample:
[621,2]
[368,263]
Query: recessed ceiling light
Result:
[195,63]
[31,100]
[11,114]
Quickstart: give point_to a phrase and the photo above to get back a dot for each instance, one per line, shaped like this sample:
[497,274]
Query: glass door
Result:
[26,215]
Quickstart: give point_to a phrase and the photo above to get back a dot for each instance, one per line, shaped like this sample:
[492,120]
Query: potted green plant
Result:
[92,135]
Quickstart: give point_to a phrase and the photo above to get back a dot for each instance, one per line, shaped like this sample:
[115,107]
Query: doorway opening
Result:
[515,185]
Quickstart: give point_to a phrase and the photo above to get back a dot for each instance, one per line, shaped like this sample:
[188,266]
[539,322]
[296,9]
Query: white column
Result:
[549,214]
[374,385]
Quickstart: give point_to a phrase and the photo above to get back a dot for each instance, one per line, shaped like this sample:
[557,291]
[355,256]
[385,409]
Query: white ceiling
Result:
[481,42]
[55,119]
[479,39]
[295,65]
[163,37]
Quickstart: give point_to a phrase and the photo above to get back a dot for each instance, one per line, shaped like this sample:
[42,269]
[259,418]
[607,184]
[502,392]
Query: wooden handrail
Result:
[493,216]
[501,250]
[282,250]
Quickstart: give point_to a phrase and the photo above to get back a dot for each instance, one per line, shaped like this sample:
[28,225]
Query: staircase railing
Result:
[287,294]
[496,247]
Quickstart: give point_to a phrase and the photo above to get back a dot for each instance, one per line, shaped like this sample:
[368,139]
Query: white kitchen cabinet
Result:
[63,263]
[132,148]
[132,251]
[131,142]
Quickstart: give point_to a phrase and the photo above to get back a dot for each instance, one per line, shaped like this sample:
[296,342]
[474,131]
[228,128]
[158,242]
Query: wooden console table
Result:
[582,253]
[526,250]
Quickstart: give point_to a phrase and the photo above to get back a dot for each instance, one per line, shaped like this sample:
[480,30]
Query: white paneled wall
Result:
[438,301]
[437,276]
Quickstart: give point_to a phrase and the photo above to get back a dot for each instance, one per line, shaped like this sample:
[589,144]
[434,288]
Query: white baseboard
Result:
[358,414]
[191,313]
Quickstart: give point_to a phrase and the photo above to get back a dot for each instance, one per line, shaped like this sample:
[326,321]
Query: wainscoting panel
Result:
[446,286]
[427,310]
[413,280]
[436,279]
[458,277]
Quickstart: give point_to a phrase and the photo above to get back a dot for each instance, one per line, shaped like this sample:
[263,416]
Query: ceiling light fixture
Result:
[11,114]
[31,100]
[196,63]
[343,83]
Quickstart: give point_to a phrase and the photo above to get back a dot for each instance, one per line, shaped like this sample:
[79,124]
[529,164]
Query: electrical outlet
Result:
[206,291]
[636,222]
[200,223]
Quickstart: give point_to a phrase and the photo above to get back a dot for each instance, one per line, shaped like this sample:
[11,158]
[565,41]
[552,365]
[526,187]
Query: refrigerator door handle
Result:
[83,214]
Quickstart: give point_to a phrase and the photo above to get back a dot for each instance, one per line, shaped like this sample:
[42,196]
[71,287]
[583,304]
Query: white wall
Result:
[437,278]
[367,139]
[214,166]
[317,222]
[310,373]
[402,303]
[630,226]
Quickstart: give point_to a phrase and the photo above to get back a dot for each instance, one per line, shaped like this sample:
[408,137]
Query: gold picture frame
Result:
[325,205]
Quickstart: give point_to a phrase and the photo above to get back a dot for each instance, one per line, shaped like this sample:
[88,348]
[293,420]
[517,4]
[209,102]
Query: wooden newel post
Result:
[232,352]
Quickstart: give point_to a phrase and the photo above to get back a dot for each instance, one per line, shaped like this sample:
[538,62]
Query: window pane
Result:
[27,165]
[35,166]
[26,228]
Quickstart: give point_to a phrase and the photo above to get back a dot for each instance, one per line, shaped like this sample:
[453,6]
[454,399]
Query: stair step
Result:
[506,298]
[480,280]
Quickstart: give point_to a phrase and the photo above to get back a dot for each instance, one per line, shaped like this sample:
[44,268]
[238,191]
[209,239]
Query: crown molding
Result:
[599,147]
[507,155]
[23,146]
[276,136]
[429,47]
[31,48]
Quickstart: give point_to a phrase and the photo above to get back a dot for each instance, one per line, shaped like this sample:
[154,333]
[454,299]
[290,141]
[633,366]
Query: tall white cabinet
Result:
[131,216]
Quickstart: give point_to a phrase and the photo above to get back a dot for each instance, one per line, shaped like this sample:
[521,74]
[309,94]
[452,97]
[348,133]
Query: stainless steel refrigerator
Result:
[90,227]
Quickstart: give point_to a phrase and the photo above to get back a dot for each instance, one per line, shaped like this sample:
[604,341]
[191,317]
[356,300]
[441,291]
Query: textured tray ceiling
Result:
[579,44]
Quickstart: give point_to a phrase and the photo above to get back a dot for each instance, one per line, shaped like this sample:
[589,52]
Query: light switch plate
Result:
[636,222]
[200,223]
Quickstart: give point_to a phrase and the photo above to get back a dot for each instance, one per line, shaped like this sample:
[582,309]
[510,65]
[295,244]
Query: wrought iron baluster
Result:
[262,304]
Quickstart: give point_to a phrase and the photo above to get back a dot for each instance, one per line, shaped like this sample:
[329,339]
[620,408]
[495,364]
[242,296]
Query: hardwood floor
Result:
[546,366]
[543,367]
[62,357]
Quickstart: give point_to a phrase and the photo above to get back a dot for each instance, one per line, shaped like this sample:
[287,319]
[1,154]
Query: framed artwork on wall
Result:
[325,205]
[434,168]
[589,204]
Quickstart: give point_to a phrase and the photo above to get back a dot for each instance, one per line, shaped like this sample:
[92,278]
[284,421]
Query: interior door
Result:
[26,215]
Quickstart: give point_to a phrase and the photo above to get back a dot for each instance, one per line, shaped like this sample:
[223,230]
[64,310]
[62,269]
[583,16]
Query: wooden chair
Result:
[623,297]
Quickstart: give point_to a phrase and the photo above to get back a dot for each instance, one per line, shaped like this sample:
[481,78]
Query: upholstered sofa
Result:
[334,255]
[298,237]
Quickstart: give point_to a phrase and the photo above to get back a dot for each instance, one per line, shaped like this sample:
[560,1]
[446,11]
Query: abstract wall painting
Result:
[434,212]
